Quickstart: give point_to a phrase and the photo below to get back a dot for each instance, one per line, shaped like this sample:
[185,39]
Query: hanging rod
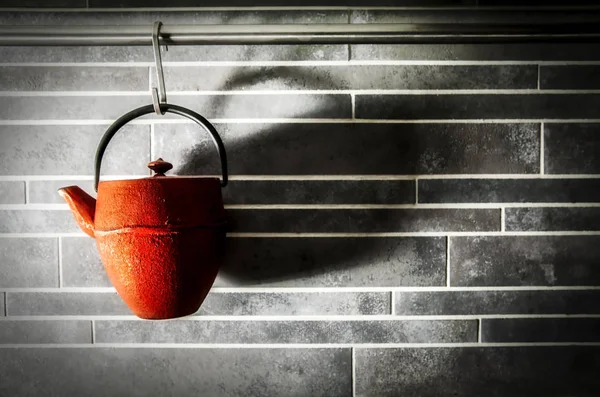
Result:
[141,35]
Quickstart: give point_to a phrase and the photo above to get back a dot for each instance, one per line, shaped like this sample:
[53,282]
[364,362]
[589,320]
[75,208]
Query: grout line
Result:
[416,190]
[542,143]
[479,330]
[539,73]
[5,305]
[60,264]
[93,322]
[27,198]
[448,261]
[353,104]
[503,219]
[393,303]
[353,371]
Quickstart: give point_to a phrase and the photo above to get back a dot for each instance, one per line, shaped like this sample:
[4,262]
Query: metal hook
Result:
[159,96]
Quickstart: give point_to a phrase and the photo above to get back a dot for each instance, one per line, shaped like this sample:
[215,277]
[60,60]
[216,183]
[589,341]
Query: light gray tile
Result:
[46,192]
[70,149]
[318,331]
[28,262]
[477,371]
[12,192]
[176,372]
[65,304]
[37,221]
[73,78]
[81,265]
[45,331]
[296,303]
[357,77]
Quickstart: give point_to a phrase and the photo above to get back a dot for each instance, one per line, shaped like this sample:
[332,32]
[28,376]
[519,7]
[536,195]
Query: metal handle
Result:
[167,108]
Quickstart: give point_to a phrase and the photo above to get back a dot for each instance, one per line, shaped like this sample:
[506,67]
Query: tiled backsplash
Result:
[410,220]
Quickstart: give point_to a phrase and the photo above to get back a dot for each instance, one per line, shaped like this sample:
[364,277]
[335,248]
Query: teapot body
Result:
[161,241]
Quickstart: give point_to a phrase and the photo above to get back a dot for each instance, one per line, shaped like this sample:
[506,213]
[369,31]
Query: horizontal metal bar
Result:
[297,34]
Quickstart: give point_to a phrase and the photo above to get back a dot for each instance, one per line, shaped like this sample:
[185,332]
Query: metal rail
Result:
[141,35]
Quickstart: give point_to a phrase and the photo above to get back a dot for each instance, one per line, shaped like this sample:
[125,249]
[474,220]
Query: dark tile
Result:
[65,304]
[273,3]
[210,106]
[69,150]
[541,330]
[363,220]
[28,262]
[477,106]
[497,302]
[544,3]
[476,371]
[478,52]
[296,262]
[229,53]
[177,372]
[73,78]
[509,190]
[572,148]
[320,192]
[570,77]
[355,149]
[525,260]
[2,304]
[552,219]
[350,77]
[43,3]
[12,192]
[46,331]
[318,331]
[37,221]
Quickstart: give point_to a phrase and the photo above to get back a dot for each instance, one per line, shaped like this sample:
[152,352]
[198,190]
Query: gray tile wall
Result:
[415,220]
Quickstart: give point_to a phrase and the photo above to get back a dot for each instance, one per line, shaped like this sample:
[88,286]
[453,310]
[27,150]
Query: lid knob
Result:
[160,166]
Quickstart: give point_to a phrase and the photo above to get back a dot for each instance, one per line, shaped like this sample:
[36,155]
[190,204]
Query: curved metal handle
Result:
[167,108]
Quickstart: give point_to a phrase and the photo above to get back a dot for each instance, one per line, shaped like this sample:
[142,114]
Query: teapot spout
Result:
[83,207]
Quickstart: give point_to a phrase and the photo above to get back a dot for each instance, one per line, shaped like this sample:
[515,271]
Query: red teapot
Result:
[161,238]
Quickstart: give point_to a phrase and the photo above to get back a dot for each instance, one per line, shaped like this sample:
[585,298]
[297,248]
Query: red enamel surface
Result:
[161,240]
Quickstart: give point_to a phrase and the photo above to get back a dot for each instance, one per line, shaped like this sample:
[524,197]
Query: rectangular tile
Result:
[43,3]
[570,77]
[318,331]
[210,106]
[309,262]
[478,371]
[478,52]
[356,149]
[208,53]
[216,304]
[541,330]
[509,190]
[572,148]
[46,331]
[28,262]
[267,372]
[552,219]
[497,302]
[12,192]
[477,106]
[70,149]
[46,192]
[363,220]
[350,77]
[272,3]
[525,260]
[73,78]
[37,221]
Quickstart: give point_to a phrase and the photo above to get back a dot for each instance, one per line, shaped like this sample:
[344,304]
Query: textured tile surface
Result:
[364,220]
[272,3]
[178,331]
[70,149]
[497,302]
[28,262]
[65,304]
[479,52]
[296,262]
[301,149]
[55,331]
[73,78]
[46,192]
[354,77]
[177,372]
[570,77]
[549,219]
[37,221]
[12,192]
[481,106]
[541,330]
[572,148]
[43,3]
[509,190]
[525,260]
[475,371]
